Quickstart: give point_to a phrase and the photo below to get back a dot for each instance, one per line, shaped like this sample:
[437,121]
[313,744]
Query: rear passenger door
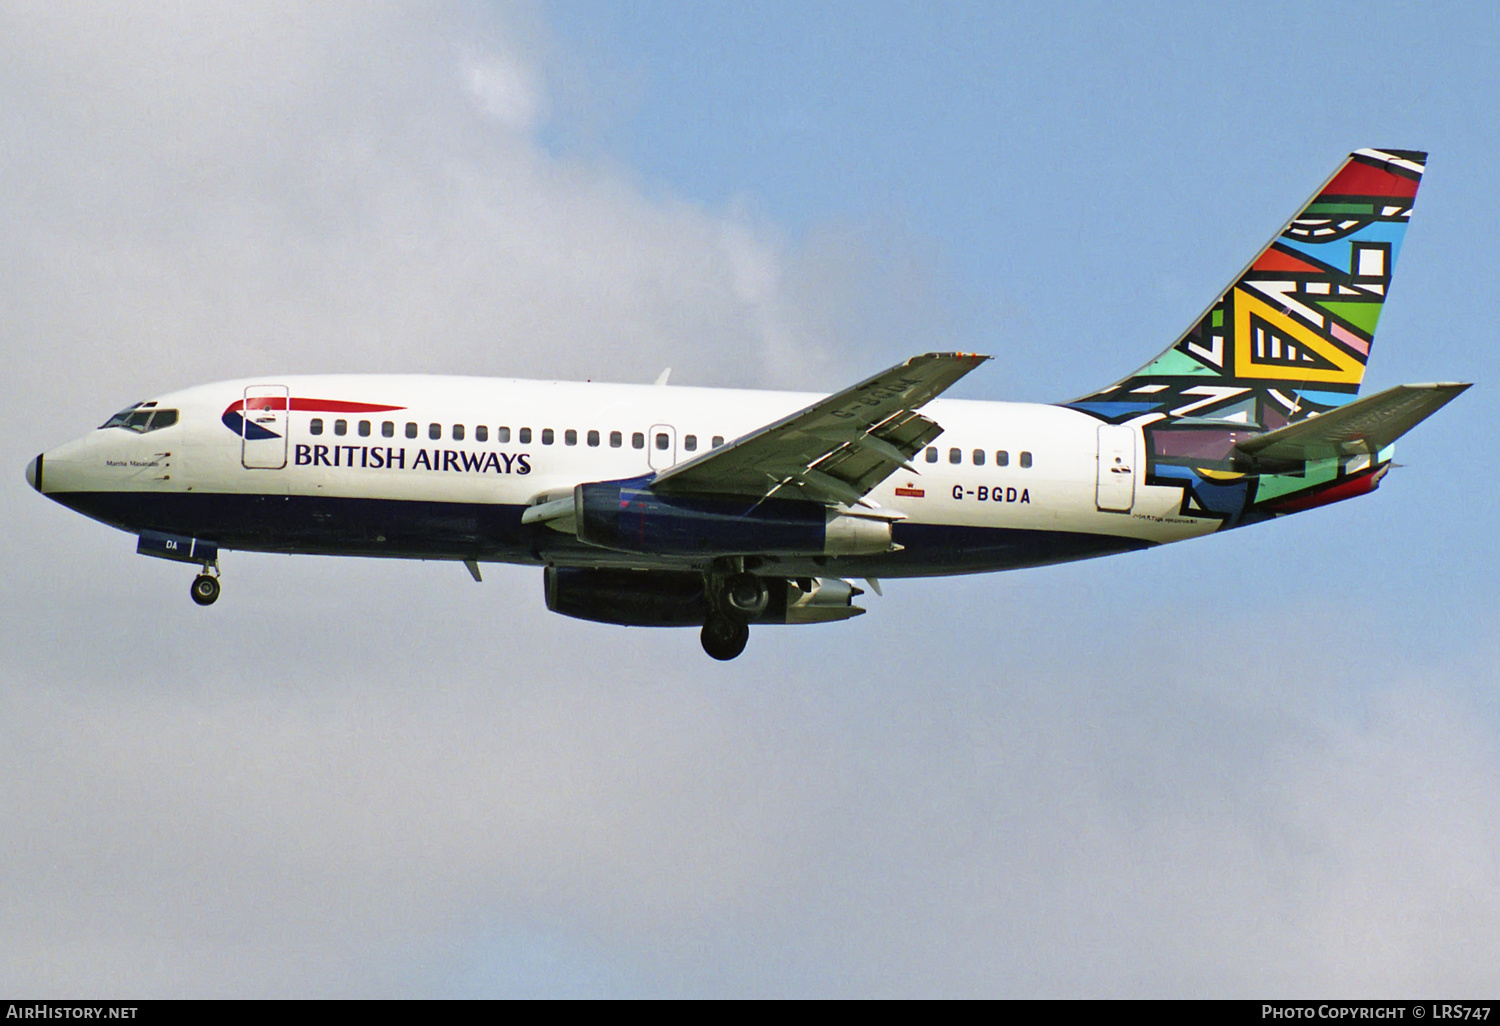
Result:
[1115,491]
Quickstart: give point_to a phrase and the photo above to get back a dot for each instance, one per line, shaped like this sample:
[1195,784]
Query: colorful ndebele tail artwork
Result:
[1287,340]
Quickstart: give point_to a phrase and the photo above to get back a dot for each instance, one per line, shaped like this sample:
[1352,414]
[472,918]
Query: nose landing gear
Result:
[183,549]
[205,589]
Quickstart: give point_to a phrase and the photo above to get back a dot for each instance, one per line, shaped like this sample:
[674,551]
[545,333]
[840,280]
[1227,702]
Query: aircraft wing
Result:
[1364,426]
[835,450]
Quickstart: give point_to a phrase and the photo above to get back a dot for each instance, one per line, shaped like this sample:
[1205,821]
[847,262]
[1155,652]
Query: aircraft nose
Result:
[34,473]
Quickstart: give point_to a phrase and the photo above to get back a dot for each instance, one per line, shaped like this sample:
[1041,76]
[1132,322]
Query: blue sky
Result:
[1262,763]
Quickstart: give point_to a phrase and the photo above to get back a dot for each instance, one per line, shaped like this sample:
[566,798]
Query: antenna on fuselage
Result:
[661,379]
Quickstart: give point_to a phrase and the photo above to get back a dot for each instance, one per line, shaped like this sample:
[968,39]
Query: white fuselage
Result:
[343,462]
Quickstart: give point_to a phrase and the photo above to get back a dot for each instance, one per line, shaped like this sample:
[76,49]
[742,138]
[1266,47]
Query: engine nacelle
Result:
[627,517]
[679,598]
[633,598]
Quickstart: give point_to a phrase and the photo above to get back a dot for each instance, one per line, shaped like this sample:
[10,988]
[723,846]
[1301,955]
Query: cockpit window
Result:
[140,418]
[118,420]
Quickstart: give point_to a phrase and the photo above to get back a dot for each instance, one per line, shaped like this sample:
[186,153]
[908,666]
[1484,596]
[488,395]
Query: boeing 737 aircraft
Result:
[654,505]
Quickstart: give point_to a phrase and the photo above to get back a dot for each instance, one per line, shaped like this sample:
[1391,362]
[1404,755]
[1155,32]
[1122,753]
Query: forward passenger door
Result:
[263,427]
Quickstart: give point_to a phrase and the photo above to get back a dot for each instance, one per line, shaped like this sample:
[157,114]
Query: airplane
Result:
[658,505]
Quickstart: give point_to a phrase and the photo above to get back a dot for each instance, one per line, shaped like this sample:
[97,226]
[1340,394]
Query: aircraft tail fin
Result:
[1289,337]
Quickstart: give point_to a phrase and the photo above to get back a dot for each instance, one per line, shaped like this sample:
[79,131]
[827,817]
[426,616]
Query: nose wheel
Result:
[205,590]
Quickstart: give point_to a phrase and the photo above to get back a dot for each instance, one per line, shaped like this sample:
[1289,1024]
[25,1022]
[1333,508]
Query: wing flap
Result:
[1364,426]
[835,450]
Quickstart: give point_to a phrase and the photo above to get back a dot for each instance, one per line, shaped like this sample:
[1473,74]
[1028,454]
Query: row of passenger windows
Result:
[143,418]
[663,440]
[978,457]
[458,432]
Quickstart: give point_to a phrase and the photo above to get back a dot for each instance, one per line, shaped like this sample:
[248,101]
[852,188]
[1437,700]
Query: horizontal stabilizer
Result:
[1364,426]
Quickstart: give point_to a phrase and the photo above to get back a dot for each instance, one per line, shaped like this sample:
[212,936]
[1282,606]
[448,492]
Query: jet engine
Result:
[682,598]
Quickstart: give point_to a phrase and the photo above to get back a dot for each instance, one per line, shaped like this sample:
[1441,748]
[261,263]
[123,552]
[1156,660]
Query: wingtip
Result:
[975,358]
[1443,386]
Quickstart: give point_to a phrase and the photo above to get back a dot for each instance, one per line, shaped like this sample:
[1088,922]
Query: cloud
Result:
[505,91]
[318,187]
[439,805]
[199,191]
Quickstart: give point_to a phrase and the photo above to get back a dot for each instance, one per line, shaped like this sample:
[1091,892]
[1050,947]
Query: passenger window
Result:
[364,429]
[570,437]
[978,457]
[547,436]
[690,442]
[316,427]
[718,441]
[502,435]
[341,427]
[955,455]
[387,429]
[481,433]
[593,438]
[411,429]
[1002,458]
[163,418]
[932,454]
[434,431]
[663,440]
[458,432]
[616,439]
[1025,459]
[526,436]
[637,440]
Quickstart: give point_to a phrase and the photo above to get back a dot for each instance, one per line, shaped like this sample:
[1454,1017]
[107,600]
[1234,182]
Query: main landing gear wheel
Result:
[745,597]
[723,638]
[206,589]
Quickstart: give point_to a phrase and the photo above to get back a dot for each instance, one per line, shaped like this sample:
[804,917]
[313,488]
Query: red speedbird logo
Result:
[235,418]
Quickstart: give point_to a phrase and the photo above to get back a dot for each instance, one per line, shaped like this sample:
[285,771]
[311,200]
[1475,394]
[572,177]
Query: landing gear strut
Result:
[735,598]
[724,638]
[205,590]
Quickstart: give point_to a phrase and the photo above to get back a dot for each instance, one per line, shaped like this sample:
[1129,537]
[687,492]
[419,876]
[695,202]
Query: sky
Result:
[1263,763]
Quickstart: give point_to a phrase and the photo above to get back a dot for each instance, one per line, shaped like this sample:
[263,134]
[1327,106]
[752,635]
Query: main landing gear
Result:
[734,599]
[724,638]
[205,590]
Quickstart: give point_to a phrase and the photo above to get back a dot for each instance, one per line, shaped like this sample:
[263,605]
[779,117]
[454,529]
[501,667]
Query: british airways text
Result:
[378,457]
